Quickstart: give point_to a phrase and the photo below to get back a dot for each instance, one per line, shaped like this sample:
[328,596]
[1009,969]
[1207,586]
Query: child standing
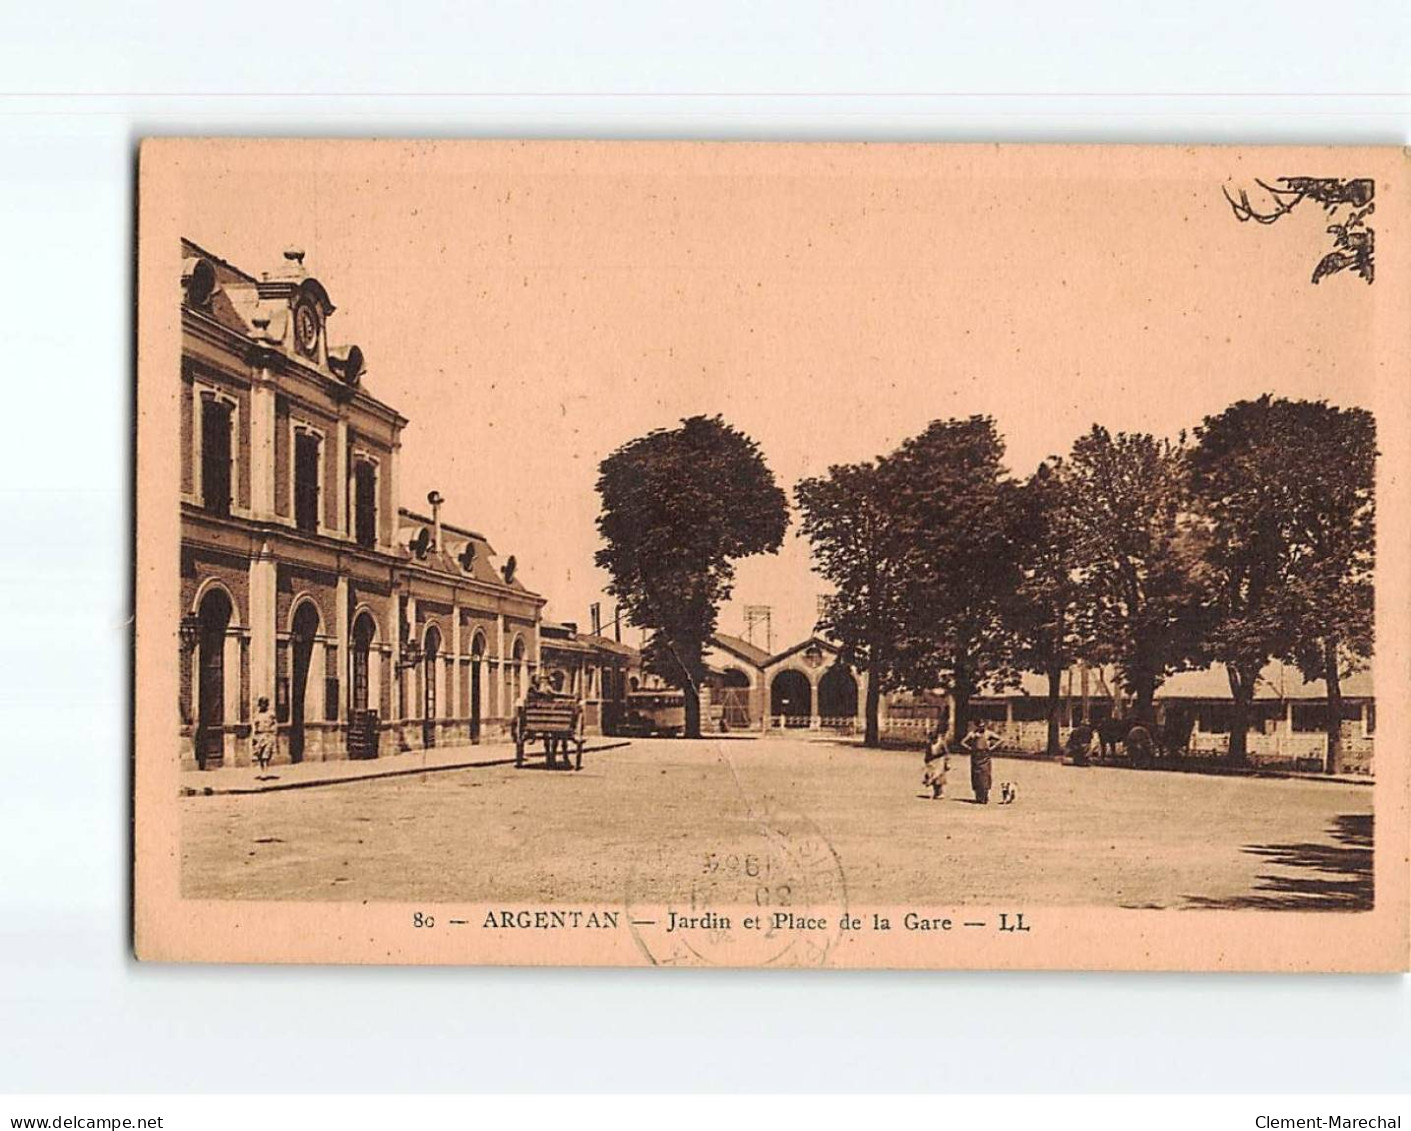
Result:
[937,764]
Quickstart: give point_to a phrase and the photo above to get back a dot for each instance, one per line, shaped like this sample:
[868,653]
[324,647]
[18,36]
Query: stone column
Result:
[501,667]
[415,675]
[262,626]
[454,666]
[315,737]
[339,482]
[389,524]
[374,678]
[814,721]
[344,645]
[230,690]
[397,674]
[262,446]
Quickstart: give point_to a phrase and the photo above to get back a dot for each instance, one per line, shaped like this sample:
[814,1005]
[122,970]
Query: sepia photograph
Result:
[771,555]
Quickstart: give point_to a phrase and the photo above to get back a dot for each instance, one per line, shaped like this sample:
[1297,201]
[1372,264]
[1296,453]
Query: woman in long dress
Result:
[980,742]
[264,729]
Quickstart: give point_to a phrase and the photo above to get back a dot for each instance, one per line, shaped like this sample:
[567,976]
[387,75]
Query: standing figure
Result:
[937,764]
[981,742]
[264,730]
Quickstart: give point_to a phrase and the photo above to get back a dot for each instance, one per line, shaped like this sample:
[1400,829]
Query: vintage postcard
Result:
[772,555]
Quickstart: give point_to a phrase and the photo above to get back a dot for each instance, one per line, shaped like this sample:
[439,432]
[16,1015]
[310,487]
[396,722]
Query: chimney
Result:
[435,499]
[617,623]
[595,618]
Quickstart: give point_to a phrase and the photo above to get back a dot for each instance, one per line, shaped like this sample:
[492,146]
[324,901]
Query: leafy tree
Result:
[1287,487]
[1138,551]
[848,518]
[679,507]
[1246,474]
[1333,453]
[1046,612]
[957,513]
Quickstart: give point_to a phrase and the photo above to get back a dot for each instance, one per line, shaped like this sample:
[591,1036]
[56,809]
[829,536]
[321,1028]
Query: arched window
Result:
[364,632]
[431,651]
[517,669]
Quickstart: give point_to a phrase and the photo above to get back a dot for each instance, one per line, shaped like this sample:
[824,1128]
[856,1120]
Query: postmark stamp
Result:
[774,895]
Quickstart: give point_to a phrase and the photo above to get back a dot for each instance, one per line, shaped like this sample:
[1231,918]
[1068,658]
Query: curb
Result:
[397,772]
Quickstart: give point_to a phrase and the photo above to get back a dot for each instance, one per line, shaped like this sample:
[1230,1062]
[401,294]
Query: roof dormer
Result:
[306,299]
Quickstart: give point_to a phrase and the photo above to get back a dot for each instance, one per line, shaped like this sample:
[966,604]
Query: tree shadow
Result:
[1343,879]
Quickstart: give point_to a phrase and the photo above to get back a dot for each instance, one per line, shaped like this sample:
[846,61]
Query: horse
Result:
[1110,732]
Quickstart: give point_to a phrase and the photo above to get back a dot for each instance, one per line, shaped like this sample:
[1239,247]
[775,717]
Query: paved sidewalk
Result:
[250,779]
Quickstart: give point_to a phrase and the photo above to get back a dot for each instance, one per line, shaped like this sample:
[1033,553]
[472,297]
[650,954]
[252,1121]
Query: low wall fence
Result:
[1291,749]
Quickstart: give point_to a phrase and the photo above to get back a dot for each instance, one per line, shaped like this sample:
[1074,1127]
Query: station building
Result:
[803,687]
[369,627]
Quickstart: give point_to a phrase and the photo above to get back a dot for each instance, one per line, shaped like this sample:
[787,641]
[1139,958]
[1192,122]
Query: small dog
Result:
[1008,793]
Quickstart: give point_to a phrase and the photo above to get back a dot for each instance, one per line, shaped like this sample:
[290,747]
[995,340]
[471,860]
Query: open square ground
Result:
[1094,836]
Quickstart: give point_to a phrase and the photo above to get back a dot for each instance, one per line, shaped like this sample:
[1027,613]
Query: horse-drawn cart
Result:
[557,720]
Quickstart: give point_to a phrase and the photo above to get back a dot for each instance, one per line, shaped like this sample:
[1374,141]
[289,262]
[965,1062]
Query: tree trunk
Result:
[960,696]
[692,694]
[1242,693]
[872,733]
[1333,679]
[1142,709]
[1055,692]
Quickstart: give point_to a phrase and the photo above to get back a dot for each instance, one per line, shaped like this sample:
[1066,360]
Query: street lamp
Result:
[190,631]
[411,654]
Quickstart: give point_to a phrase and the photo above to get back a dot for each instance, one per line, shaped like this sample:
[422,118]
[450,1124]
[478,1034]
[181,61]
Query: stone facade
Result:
[303,580]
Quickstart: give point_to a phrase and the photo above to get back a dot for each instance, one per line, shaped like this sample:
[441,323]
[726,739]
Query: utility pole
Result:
[758,619]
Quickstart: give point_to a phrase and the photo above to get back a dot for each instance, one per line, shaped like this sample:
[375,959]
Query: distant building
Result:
[807,687]
[303,580]
[593,668]
[804,687]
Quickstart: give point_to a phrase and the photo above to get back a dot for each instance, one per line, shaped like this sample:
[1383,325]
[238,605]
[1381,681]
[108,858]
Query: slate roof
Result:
[741,648]
[454,540]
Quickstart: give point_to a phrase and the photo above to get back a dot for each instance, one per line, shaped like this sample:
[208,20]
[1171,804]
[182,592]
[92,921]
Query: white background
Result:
[80,83]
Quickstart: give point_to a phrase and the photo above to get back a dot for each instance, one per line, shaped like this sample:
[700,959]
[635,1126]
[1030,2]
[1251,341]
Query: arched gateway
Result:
[214,620]
[837,697]
[301,640]
[791,699]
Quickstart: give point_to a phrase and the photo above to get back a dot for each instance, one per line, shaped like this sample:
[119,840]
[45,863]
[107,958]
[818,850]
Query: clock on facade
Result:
[306,329]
